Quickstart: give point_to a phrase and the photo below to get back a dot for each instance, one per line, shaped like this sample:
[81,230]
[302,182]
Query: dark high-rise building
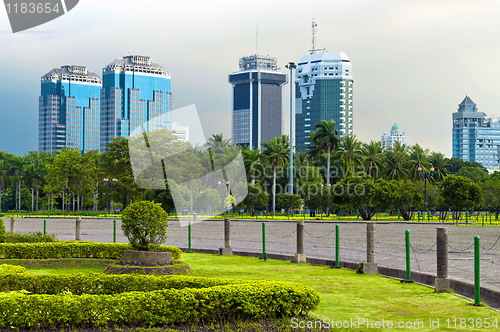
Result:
[257,101]
[69,109]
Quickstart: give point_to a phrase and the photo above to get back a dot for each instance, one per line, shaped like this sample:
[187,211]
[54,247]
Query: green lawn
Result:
[345,295]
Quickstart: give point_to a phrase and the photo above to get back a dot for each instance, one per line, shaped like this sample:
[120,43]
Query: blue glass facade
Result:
[475,137]
[257,101]
[135,91]
[69,110]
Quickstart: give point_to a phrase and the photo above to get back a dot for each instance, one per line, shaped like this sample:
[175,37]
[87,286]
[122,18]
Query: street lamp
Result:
[109,183]
[291,66]
[425,175]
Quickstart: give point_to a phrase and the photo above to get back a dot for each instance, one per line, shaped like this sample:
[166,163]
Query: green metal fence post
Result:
[264,253]
[337,246]
[114,230]
[408,258]
[428,215]
[189,236]
[477,270]
[357,214]
[399,214]
[466,217]
[44,226]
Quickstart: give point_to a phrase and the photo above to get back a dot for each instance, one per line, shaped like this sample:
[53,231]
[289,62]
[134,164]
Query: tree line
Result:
[334,173]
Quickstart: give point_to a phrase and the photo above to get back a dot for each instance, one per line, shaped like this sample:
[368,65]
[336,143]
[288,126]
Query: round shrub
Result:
[145,225]
[3,233]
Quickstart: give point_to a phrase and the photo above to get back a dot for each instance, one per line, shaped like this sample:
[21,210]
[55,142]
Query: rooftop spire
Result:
[314,49]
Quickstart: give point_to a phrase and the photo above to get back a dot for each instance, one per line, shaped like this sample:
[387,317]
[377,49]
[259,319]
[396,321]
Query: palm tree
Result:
[5,160]
[277,151]
[395,162]
[440,164]
[218,140]
[418,159]
[350,154]
[372,158]
[35,169]
[324,139]
[17,172]
[253,162]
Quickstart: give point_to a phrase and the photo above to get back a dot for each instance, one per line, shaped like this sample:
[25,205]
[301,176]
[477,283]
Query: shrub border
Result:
[210,300]
[74,249]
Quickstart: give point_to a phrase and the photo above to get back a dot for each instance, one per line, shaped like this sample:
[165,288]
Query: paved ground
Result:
[319,241]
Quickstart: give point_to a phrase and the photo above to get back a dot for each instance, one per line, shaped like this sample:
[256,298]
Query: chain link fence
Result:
[319,241]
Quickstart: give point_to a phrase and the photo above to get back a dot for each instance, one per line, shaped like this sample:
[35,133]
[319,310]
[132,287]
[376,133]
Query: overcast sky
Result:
[413,60]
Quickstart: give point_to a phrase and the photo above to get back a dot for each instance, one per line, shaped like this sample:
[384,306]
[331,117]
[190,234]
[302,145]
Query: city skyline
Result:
[413,60]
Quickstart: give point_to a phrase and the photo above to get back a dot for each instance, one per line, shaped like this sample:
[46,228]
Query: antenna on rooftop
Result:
[314,49]
[257,39]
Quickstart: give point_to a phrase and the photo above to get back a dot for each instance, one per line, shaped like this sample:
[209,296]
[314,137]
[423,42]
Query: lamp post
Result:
[109,183]
[425,175]
[291,66]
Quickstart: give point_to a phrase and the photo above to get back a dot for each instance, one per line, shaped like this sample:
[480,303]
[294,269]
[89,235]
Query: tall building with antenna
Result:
[257,101]
[323,91]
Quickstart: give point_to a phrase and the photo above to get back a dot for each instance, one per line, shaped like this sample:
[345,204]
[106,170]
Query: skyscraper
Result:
[69,109]
[134,91]
[389,139]
[476,137]
[257,101]
[323,91]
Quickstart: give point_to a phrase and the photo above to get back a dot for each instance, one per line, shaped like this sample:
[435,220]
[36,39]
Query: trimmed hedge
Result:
[76,249]
[173,269]
[97,283]
[206,300]
[6,268]
[33,237]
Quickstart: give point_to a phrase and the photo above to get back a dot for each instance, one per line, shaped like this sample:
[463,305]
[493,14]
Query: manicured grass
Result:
[345,295]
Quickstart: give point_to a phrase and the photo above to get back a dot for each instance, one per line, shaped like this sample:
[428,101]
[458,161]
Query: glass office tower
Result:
[134,91]
[323,91]
[476,137]
[257,101]
[69,109]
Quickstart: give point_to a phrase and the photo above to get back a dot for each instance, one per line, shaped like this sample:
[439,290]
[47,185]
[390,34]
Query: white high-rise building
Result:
[389,139]
[324,91]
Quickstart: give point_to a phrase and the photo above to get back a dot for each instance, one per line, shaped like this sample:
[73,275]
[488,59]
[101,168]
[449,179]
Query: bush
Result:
[70,249]
[208,300]
[145,225]
[101,284]
[33,237]
[2,231]
[6,268]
